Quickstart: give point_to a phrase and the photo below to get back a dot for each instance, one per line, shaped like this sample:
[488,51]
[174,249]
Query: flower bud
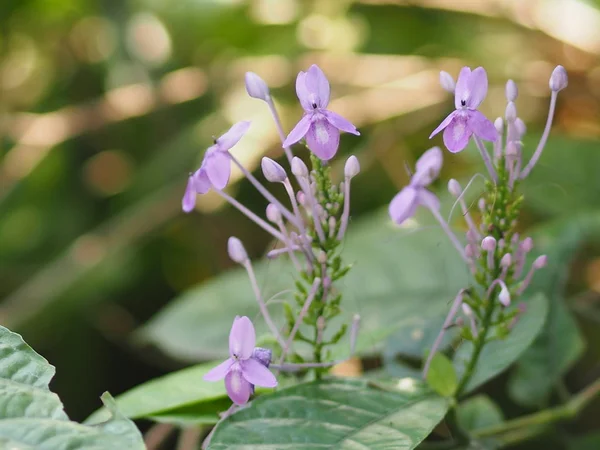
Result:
[352,167]
[510,114]
[236,250]
[299,168]
[481,204]
[506,260]
[322,257]
[256,86]
[454,188]
[511,150]
[469,252]
[499,124]
[467,310]
[511,91]
[540,262]
[272,170]
[488,244]
[559,79]
[527,244]
[447,81]
[520,126]
[504,296]
[262,355]
[273,213]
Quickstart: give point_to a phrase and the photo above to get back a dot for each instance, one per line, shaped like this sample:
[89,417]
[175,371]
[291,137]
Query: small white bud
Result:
[256,86]
[454,188]
[511,91]
[467,310]
[447,81]
[511,150]
[540,262]
[322,257]
[236,250]
[559,79]
[520,126]
[511,112]
[299,168]
[504,296]
[481,204]
[352,167]
[499,124]
[272,170]
[506,260]
[273,213]
[488,244]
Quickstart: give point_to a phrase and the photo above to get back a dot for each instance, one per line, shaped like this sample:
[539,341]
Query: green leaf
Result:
[182,397]
[411,274]
[32,417]
[590,441]
[335,414]
[442,376]
[479,412]
[561,343]
[498,355]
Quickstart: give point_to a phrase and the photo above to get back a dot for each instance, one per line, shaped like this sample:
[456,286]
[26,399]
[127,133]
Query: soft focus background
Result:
[106,105]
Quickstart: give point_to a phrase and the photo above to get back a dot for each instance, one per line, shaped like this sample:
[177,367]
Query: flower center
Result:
[314,105]
[463,103]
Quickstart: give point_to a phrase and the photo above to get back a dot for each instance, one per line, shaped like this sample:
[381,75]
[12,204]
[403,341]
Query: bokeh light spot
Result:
[109,172]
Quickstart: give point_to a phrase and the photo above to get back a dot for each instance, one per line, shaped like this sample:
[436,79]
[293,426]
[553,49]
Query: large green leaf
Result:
[335,414]
[499,354]
[32,417]
[399,277]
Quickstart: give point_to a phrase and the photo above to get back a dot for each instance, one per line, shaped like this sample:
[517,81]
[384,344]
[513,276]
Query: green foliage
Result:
[33,417]
[441,376]
[479,412]
[340,414]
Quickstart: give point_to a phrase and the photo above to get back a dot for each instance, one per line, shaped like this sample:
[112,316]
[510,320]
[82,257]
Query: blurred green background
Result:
[106,105]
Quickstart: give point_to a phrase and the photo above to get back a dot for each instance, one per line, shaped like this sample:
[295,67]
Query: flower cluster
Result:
[309,230]
[494,251]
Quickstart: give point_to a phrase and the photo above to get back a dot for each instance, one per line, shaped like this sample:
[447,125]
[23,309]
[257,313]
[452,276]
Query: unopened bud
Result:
[510,114]
[322,257]
[488,244]
[499,124]
[559,79]
[352,167]
[273,213]
[506,260]
[272,170]
[469,253]
[447,81]
[299,168]
[256,86]
[454,188]
[511,150]
[540,262]
[511,91]
[301,197]
[467,310]
[236,250]
[504,296]
[262,355]
[481,204]
[527,244]
[520,126]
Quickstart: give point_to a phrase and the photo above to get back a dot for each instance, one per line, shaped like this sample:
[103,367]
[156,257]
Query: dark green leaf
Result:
[479,412]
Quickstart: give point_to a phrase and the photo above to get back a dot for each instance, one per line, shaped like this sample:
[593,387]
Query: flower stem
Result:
[486,158]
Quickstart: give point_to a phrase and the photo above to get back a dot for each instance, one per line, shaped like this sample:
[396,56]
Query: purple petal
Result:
[237,387]
[457,134]
[481,126]
[403,205]
[218,169]
[478,86]
[428,199]
[201,181]
[317,84]
[323,139]
[428,167]
[302,92]
[232,136]
[463,88]
[188,202]
[340,123]
[242,338]
[298,132]
[255,373]
[219,372]
[444,123]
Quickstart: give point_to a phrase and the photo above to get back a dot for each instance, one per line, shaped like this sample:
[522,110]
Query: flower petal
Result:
[481,126]
[478,86]
[218,169]
[302,92]
[298,132]
[340,123]
[255,373]
[323,139]
[242,338]
[317,84]
[237,387]
[457,134]
[201,181]
[219,372]
[188,202]
[428,167]
[428,199]
[463,88]
[403,205]
[444,123]
[232,136]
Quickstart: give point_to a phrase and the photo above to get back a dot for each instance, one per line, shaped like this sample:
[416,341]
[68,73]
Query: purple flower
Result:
[244,368]
[320,126]
[216,166]
[405,203]
[458,127]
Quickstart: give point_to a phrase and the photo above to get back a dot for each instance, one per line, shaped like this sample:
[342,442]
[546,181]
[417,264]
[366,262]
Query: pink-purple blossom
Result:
[466,120]
[215,169]
[318,125]
[244,368]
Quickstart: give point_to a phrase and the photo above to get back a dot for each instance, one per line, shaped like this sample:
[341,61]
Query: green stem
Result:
[563,412]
